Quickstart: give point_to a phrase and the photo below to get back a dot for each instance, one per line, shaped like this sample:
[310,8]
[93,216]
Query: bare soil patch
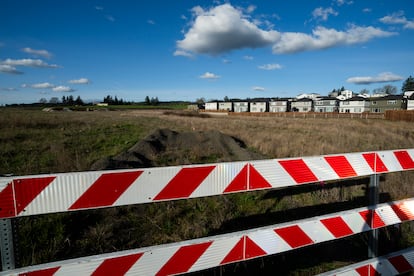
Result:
[167,147]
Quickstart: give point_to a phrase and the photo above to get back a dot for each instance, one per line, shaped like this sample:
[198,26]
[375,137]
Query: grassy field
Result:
[34,142]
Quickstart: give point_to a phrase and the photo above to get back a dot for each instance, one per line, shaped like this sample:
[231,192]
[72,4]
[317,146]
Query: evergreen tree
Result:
[408,84]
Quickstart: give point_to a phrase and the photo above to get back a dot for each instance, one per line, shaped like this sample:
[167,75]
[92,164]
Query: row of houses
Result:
[356,104]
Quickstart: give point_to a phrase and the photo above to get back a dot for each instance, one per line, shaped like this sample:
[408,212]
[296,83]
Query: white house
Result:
[302,105]
[354,105]
[226,106]
[410,102]
[279,105]
[258,106]
[240,106]
[211,106]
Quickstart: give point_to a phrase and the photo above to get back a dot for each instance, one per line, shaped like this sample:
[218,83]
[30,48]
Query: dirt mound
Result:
[165,147]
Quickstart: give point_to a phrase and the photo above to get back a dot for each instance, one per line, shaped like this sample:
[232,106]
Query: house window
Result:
[319,103]
[345,103]
[374,102]
[392,102]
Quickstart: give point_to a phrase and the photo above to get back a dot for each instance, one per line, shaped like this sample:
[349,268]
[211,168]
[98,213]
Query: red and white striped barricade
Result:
[41,194]
[204,253]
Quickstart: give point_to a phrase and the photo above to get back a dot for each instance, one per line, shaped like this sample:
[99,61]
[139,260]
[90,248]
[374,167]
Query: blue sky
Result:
[185,50]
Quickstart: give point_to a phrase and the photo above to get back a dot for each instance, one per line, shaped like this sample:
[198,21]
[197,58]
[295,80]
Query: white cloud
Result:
[43,85]
[323,38]
[62,88]
[151,22]
[225,28]
[270,66]
[5,68]
[342,2]
[221,29]
[367,10]
[383,77]
[399,19]
[183,53]
[323,13]
[28,62]
[258,88]
[80,81]
[42,53]
[248,57]
[208,75]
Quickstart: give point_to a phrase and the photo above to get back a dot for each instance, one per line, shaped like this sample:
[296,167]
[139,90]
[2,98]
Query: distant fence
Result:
[41,194]
[303,115]
[400,115]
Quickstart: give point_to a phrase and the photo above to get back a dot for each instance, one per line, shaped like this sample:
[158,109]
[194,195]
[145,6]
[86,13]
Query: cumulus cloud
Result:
[323,13]
[62,88]
[80,81]
[225,28]
[210,76]
[8,69]
[323,38]
[42,53]
[28,62]
[258,88]
[222,29]
[43,85]
[383,77]
[270,66]
[398,18]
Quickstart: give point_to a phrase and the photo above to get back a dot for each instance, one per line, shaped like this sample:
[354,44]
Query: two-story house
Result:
[279,105]
[326,104]
[354,105]
[302,105]
[389,102]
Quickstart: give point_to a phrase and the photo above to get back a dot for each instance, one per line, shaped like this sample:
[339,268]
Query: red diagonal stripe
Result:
[239,183]
[337,226]
[405,159]
[403,211]
[375,162]
[106,190]
[372,218]
[184,183]
[256,180]
[341,166]
[184,259]
[298,170]
[236,253]
[400,264]
[367,270]
[7,202]
[117,266]
[42,272]
[252,250]
[294,236]
[27,189]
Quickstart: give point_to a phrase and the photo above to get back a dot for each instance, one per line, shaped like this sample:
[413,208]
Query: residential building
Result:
[410,102]
[240,106]
[326,104]
[279,105]
[225,106]
[389,102]
[354,105]
[302,105]
[212,105]
[258,105]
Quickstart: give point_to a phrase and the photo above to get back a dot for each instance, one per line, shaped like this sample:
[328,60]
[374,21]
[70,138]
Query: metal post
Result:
[6,244]
[373,197]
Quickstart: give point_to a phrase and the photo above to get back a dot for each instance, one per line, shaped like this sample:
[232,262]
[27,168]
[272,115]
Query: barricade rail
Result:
[42,194]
